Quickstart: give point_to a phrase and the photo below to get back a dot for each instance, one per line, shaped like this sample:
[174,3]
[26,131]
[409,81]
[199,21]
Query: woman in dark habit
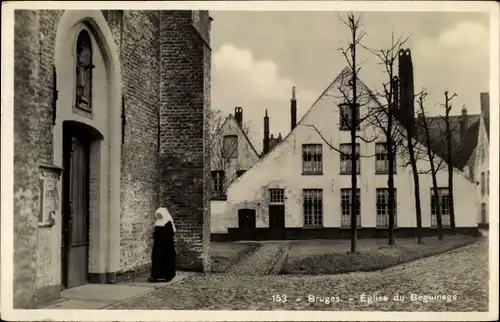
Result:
[163,255]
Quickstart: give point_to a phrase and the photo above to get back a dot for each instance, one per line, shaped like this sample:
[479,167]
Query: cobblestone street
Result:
[460,275]
[259,262]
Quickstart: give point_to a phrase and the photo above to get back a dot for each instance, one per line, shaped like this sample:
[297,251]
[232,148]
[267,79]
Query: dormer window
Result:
[230,147]
[346,116]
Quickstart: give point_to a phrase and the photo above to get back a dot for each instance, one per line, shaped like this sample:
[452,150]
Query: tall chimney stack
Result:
[238,115]
[293,110]
[407,90]
[463,124]
[266,134]
[485,104]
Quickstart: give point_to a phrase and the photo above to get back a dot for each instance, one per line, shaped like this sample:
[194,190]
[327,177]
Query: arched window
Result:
[84,71]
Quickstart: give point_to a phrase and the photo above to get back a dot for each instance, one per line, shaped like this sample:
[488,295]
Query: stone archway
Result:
[104,118]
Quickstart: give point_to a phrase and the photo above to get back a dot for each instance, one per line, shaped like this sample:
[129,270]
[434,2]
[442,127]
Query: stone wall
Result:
[33,89]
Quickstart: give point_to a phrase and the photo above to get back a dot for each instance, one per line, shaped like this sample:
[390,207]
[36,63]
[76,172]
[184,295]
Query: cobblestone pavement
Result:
[462,273]
[258,262]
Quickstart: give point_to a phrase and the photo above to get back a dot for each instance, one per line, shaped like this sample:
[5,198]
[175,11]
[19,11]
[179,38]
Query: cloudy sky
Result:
[258,56]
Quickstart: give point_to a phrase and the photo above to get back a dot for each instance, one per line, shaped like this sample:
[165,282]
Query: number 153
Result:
[279,298]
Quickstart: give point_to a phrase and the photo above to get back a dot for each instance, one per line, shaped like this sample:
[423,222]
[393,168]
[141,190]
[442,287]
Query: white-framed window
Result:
[345,205]
[230,147]
[483,184]
[383,207]
[313,207]
[345,158]
[382,159]
[277,196]
[444,204]
[218,177]
[312,159]
[346,113]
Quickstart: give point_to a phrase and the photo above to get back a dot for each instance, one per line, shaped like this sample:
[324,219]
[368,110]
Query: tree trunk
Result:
[435,188]
[416,183]
[354,189]
[452,202]
[430,154]
[390,181]
[354,175]
[438,203]
[450,173]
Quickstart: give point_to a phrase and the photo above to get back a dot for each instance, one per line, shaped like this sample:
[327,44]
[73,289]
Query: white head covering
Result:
[165,217]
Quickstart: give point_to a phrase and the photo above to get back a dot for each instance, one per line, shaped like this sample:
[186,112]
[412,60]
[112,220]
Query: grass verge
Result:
[333,257]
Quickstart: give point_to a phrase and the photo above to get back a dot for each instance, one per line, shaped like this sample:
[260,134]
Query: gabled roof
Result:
[343,73]
[461,151]
[231,118]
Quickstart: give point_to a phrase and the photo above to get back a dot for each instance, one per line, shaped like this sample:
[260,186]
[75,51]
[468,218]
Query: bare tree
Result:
[409,125]
[449,156]
[224,148]
[385,119]
[424,121]
[354,96]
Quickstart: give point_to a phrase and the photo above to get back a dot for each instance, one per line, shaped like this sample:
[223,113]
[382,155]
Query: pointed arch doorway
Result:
[87,145]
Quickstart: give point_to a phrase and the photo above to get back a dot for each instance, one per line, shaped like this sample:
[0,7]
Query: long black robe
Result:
[163,255]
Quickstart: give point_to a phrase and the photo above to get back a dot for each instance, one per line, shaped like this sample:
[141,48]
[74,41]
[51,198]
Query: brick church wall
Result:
[136,36]
[185,166]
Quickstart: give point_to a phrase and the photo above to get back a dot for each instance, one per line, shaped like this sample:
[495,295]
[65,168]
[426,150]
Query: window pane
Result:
[230,146]
[276,195]
[345,158]
[313,207]
[345,204]
[312,158]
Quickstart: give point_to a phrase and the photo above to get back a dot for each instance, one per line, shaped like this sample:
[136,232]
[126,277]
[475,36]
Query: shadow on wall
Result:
[184,191]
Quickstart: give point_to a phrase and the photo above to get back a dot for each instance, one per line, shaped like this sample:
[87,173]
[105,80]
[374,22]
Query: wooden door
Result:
[277,221]
[75,223]
[246,224]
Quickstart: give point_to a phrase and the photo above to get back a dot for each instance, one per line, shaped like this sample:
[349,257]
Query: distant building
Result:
[302,187]
[232,153]
[481,160]
[269,141]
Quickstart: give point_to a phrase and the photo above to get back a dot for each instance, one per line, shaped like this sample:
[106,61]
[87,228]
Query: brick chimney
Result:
[485,104]
[293,110]
[238,115]
[265,144]
[463,124]
[406,85]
